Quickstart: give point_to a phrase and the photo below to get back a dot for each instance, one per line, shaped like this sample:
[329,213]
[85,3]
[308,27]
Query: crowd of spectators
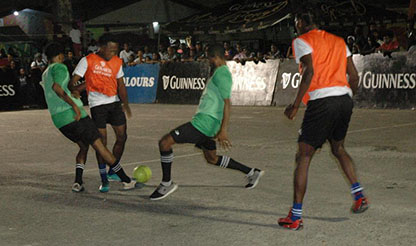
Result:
[28,74]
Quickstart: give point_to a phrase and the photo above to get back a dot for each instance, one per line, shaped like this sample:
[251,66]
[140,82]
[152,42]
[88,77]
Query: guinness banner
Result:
[384,82]
[253,84]
[9,91]
[182,83]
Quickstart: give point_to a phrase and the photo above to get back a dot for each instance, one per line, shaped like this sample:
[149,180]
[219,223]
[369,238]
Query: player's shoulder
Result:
[58,67]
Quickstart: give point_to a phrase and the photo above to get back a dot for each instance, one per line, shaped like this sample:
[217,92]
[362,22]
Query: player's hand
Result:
[126,109]
[223,140]
[76,94]
[77,116]
[291,111]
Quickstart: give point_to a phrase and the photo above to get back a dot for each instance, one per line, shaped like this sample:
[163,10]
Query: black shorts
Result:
[187,133]
[83,130]
[108,113]
[326,118]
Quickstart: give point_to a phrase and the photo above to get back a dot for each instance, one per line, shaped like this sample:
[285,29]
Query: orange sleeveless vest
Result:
[329,58]
[101,75]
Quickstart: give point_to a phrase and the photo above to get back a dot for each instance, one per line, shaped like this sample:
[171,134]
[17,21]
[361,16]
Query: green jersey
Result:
[61,112]
[210,111]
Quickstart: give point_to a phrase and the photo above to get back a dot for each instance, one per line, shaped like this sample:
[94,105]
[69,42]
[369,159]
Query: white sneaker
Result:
[129,186]
[77,188]
[253,179]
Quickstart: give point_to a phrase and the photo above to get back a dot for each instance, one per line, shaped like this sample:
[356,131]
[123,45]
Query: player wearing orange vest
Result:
[104,83]
[325,62]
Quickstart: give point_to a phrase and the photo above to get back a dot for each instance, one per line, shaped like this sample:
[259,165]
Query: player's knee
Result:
[337,151]
[211,159]
[164,144]
[122,138]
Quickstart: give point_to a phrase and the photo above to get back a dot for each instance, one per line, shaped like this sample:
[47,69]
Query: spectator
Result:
[148,59]
[259,57]
[155,58]
[390,45]
[204,56]
[171,55]
[274,52]
[75,35]
[360,40]
[352,46]
[140,58]
[198,50]
[131,61]
[241,54]
[229,52]
[13,68]
[162,51]
[59,36]
[25,88]
[182,52]
[38,64]
[126,53]
[92,47]
[369,47]
[37,67]
[70,62]
[146,52]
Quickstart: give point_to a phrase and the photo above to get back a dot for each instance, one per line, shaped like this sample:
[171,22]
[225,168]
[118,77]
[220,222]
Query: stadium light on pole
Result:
[16,13]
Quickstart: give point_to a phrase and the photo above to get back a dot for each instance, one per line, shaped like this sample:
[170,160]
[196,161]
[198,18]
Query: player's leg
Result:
[118,148]
[166,187]
[102,164]
[80,159]
[109,158]
[209,149]
[117,119]
[300,179]
[344,108]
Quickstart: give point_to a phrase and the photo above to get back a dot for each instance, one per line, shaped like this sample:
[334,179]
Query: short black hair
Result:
[106,38]
[307,16]
[54,49]
[216,50]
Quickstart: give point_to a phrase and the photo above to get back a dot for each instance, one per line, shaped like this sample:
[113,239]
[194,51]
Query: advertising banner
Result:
[253,84]
[182,83]
[9,91]
[385,82]
[141,82]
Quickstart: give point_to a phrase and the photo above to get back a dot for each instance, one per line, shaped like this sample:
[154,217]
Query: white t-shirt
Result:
[302,49]
[96,98]
[124,55]
[75,35]
[92,48]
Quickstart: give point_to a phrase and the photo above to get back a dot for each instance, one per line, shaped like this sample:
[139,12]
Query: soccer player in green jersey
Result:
[69,116]
[210,122]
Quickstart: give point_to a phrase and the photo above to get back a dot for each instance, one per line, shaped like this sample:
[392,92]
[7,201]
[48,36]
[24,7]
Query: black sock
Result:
[120,172]
[79,169]
[166,158]
[227,162]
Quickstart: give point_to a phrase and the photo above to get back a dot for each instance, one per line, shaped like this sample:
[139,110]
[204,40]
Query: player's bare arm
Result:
[61,93]
[122,92]
[353,77]
[76,88]
[222,135]
[307,74]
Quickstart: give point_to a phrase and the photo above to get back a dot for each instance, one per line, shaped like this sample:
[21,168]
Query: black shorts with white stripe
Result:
[187,133]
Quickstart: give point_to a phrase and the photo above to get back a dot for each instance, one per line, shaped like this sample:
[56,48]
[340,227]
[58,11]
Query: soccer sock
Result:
[296,211]
[120,172]
[227,162]
[103,173]
[166,159]
[110,170]
[79,169]
[356,190]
